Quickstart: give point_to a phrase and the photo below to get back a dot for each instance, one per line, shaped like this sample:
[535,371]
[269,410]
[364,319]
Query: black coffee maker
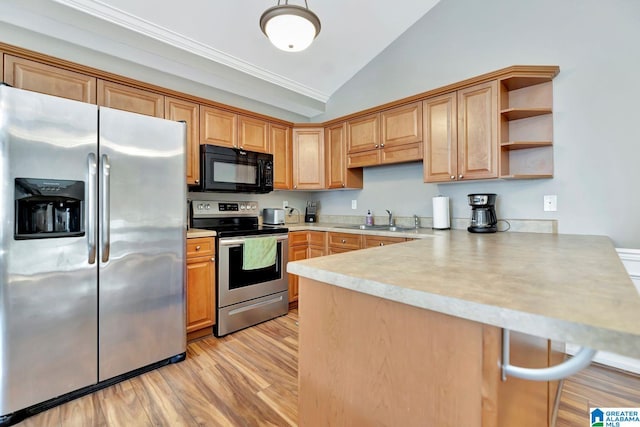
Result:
[483,213]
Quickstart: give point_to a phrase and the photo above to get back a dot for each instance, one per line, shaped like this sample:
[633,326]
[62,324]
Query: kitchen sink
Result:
[375,227]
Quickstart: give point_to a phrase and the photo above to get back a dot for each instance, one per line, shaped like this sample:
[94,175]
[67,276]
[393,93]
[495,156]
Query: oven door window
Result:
[239,278]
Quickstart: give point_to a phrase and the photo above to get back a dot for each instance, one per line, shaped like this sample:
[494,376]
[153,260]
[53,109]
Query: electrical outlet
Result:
[551,203]
[354,204]
[285,204]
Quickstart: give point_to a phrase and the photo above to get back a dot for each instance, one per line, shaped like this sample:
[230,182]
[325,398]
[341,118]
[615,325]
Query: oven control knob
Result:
[200,206]
[253,206]
[207,206]
[241,206]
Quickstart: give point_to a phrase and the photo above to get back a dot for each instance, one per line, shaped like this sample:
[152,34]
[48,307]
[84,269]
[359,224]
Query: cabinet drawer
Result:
[344,240]
[402,153]
[365,158]
[373,241]
[200,246]
[297,238]
[317,238]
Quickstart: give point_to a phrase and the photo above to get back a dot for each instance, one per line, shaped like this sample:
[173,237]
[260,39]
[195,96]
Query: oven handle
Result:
[234,241]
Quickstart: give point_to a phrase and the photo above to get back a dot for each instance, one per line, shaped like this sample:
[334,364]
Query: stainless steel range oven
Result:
[244,296]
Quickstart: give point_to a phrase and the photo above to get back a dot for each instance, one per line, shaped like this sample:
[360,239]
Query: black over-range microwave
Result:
[225,169]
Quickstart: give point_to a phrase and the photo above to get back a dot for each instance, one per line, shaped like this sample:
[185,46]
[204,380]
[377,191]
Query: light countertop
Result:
[414,233]
[571,288]
[196,232]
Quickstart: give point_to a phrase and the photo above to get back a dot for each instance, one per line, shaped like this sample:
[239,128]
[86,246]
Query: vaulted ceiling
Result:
[218,43]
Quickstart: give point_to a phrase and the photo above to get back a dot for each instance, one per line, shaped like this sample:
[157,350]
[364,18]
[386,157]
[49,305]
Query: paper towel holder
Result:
[441,219]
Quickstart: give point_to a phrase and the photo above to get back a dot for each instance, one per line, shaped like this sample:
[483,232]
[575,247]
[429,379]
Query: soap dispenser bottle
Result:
[369,218]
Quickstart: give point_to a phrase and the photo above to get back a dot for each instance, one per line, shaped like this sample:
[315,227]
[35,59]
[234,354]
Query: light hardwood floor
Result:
[249,378]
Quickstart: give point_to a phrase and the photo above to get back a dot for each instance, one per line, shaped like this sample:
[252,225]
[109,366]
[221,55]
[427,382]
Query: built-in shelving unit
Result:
[526,126]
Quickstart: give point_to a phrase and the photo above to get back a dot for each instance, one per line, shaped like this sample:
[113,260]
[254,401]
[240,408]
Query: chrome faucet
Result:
[392,222]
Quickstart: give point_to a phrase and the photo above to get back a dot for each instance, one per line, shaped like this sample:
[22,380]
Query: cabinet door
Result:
[282,153]
[402,125]
[181,110]
[478,131]
[296,253]
[34,76]
[440,157]
[200,293]
[308,159]
[363,133]
[344,241]
[218,127]
[374,241]
[253,134]
[338,175]
[121,97]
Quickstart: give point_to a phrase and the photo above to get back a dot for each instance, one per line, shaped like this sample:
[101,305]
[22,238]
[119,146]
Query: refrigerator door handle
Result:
[104,209]
[91,202]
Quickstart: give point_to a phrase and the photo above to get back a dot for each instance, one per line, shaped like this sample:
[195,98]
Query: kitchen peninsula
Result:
[409,334]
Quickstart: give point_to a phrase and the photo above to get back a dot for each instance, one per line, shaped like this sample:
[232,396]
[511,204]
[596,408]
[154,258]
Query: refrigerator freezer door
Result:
[48,292]
[142,252]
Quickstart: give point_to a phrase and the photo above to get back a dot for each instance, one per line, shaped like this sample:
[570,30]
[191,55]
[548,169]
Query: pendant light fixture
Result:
[290,28]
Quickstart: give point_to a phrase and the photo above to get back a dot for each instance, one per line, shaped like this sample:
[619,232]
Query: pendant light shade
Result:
[290,28]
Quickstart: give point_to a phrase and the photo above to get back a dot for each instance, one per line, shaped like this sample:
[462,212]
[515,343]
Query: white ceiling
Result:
[227,33]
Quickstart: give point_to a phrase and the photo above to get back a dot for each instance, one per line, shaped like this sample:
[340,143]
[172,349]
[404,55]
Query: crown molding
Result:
[131,22]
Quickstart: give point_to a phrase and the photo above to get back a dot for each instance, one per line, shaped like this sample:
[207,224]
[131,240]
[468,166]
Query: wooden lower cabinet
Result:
[343,242]
[304,245]
[200,287]
[365,360]
[374,241]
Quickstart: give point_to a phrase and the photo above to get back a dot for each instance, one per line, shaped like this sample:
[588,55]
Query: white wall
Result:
[596,136]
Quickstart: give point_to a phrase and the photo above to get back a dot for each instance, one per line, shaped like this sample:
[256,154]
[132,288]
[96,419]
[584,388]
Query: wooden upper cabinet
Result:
[441,138]
[253,134]
[478,131]
[218,127]
[363,133]
[127,98]
[282,154]
[189,112]
[338,174]
[37,77]
[460,132]
[308,159]
[402,125]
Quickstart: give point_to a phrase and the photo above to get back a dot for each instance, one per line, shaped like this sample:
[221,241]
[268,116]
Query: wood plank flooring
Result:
[249,378]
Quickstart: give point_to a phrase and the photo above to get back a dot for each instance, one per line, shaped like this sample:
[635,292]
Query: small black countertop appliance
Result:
[311,212]
[483,213]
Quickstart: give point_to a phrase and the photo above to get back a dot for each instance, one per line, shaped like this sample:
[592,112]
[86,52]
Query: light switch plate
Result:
[285,204]
[551,203]
[354,204]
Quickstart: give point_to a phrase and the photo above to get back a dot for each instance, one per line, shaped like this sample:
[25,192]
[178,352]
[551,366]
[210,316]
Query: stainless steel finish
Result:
[211,209]
[92,203]
[273,216]
[392,222]
[237,241]
[48,293]
[105,221]
[59,331]
[227,296]
[416,221]
[141,305]
[238,316]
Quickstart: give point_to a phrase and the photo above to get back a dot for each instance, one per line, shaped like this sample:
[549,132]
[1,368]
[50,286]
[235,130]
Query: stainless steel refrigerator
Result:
[92,247]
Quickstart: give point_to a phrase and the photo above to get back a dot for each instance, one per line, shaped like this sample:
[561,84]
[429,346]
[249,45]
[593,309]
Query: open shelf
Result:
[514,83]
[523,145]
[523,113]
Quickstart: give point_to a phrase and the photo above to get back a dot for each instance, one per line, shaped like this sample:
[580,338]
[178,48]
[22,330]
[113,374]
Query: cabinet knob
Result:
[460,176]
[197,181]
[198,248]
[343,185]
[344,241]
[382,145]
[453,177]
[381,243]
[213,259]
[376,146]
[295,186]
